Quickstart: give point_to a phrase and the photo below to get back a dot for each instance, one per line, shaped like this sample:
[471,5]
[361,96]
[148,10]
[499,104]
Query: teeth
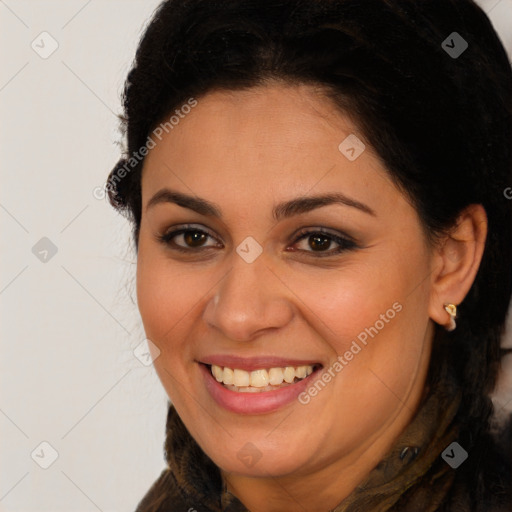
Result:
[276,376]
[228,375]
[248,389]
[218,373]
[300,372]
[289,374]
[241,378]
[259,380]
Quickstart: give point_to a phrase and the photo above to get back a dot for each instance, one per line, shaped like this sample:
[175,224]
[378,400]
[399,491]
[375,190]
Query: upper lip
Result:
[255,363]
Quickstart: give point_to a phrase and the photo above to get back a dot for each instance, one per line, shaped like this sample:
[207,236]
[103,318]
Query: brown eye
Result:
[319,242]
[194,238]
[188,239]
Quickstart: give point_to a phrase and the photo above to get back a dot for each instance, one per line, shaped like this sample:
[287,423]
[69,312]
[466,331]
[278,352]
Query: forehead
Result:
[270,115]
[269,140]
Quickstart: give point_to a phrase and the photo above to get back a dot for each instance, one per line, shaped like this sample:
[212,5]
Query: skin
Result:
[246,151]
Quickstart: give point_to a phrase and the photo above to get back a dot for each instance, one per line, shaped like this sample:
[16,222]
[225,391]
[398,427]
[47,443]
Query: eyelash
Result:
[345,243]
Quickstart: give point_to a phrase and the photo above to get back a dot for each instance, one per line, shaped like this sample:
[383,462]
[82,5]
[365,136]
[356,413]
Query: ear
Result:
[456,260]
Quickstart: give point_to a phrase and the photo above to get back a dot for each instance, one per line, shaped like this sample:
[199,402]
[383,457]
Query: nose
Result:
[249,301]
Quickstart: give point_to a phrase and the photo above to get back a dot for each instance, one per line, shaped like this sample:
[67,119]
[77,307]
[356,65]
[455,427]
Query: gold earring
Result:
[451,309]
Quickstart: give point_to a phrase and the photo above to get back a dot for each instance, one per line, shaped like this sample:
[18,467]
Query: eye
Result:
[319,241]
[188,239]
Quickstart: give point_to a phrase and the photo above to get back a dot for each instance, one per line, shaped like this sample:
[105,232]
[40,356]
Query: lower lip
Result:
[253,403]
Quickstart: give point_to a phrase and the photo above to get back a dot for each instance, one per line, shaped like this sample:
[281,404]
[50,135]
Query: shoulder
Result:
[165,495]
[484,482]
[159,494]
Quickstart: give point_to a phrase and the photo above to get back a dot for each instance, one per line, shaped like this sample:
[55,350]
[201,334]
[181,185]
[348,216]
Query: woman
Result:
[324,251]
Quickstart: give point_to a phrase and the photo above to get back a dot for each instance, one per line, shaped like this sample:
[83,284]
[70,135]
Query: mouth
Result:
[255,389]
[260,380]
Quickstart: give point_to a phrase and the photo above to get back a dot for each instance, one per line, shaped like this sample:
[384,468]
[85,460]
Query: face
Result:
[263,248]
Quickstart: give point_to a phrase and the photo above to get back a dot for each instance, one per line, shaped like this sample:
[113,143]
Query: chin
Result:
[253,462]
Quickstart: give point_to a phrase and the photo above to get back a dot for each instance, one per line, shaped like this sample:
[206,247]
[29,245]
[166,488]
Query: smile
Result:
[256,390]
[261,380]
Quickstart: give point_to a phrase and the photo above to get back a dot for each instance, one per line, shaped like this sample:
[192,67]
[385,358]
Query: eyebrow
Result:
[281,211]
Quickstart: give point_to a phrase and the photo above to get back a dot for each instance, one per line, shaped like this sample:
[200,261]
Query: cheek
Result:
[373,329]
[341,303]
[372,313]
[166,293]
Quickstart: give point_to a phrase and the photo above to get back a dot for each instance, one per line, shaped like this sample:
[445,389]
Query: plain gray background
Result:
[68,373]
